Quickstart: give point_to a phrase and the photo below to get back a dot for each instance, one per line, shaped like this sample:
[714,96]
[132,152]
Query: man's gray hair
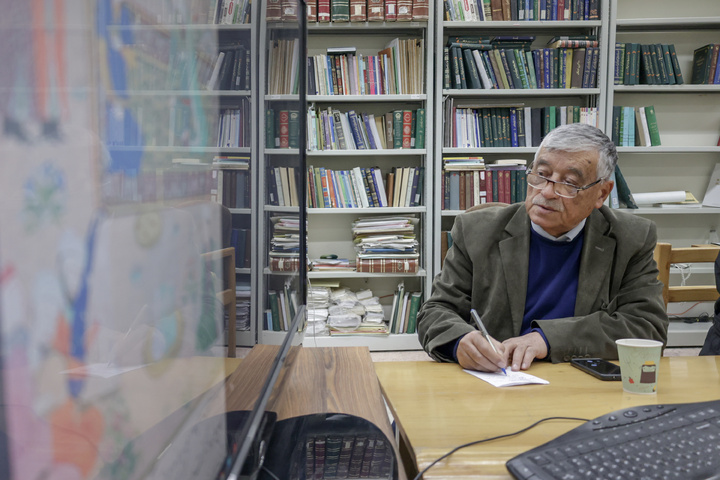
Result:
[580,137]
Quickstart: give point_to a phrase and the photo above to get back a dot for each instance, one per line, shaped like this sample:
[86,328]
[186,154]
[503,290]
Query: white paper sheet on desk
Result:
[498,379]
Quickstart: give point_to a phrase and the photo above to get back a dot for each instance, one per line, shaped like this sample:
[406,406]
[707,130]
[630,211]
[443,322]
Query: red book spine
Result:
[284,129]
[289,10]
[391,10]
[273,13]
[358,11]
[323,13]
[420,10]
[407,128]
[404,10]
[375,10]
[312,11]
[284,264]
[387,265]
[489,185]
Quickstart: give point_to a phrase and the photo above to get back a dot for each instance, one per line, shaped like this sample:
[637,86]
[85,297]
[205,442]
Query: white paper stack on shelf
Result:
[675,198]
[386,244]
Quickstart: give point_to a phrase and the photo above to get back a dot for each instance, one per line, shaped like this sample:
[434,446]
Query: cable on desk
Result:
[498,437]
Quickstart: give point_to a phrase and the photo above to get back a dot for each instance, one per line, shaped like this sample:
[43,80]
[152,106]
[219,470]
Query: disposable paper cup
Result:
[639,364]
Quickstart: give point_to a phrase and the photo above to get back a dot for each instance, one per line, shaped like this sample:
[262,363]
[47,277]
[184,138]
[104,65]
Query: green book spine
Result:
[531,74]
[487,138]
[270,128]
[522,68]
[660,59]
[471,70]
[397,128]
[294,129]
[667,59]
[652,125]
[676,65]
[420,129]
[415,300]
[340,10]
[274,310]
[701,65]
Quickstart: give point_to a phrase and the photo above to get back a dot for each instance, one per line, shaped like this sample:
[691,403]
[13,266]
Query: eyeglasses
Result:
[562,189]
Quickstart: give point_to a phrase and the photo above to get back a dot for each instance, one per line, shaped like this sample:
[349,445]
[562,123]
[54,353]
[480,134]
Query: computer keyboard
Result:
[679,441]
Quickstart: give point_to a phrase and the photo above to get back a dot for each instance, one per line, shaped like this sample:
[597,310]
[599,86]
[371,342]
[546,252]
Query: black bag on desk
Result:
[712,340]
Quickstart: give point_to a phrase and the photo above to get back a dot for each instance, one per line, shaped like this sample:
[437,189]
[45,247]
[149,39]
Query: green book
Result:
[473,77]
[676,65]
[662,71]
[274,310]
[420,129]
[294,129]
[270,128]
[701,65]
[667,59]
[415,301]
[652,125]
[624,194]
[531,74]
[340,11]
[397,128]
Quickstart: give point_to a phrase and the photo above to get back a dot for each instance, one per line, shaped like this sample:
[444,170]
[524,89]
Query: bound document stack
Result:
[386,244]
[285,244]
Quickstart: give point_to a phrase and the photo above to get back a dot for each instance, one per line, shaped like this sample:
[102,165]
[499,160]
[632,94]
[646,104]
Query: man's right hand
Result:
[475,353]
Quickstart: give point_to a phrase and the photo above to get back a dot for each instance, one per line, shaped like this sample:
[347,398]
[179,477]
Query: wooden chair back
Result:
[665,255]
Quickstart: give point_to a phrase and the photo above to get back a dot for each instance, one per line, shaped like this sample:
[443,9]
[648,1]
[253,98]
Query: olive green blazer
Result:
[619,295]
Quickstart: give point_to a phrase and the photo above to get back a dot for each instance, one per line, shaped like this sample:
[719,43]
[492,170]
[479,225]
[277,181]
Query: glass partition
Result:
[129,166]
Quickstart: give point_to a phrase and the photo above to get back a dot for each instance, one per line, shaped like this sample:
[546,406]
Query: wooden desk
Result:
[313,380]
[438,407]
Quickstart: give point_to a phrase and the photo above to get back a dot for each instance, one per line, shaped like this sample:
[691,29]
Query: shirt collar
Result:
[567,237]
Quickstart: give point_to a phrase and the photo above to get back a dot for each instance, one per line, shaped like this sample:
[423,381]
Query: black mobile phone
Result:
[597,367]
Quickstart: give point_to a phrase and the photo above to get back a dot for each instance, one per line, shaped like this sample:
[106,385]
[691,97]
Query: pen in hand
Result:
[483,332]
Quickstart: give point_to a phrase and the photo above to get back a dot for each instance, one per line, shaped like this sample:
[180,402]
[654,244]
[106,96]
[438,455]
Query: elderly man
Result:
[562,276]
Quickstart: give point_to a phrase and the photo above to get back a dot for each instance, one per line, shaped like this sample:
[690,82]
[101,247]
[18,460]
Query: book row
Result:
[188,12]
[283,63]
[705,60]
[513,126]
[232,69]
[405,306]
[635,126]
[331,129]
[398,69]
[233,188]
[521,10]
[367,10]
[363,187]
[283,305]
[282,186]
[231,12]
[158,66]
[336,455]
[181,124]
[496,68]
[235,126]
[502,183]
[282,128]
[647,64]
[240,240]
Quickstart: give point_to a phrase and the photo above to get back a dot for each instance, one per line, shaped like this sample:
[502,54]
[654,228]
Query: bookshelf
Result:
[330,229]
[167,119]
[689,125]
[447,95]
[279,109]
